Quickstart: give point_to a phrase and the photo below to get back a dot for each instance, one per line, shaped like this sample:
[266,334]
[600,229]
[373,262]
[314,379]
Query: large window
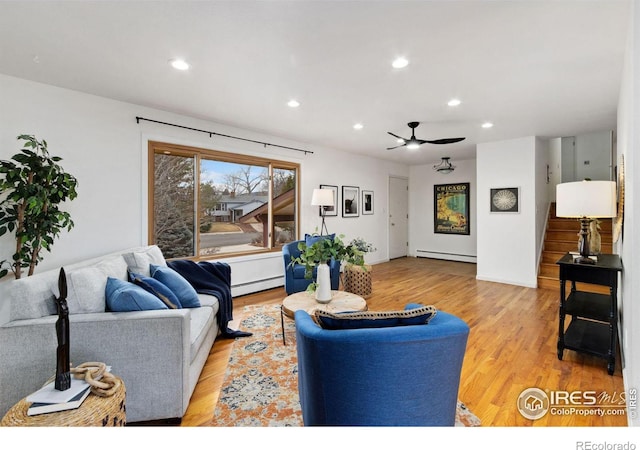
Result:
[205,203]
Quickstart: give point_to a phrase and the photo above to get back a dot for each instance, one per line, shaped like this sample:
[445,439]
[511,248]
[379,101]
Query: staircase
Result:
[562,237]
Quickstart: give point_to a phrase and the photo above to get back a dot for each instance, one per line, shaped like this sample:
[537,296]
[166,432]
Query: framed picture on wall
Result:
[350,201]
[331,210]
[367,202]
[451,208]
[505,200]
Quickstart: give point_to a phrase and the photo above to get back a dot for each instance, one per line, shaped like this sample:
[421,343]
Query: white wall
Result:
[423,242]
[542,198]
[103,146]
[628,247]
[555,167]
[587,155]
[507,242]
[593,156]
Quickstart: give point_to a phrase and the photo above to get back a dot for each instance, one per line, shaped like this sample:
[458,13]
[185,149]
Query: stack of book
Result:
[49,399]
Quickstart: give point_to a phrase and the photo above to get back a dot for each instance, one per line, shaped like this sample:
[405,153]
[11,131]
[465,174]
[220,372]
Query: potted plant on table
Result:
[357,277]
[319,254]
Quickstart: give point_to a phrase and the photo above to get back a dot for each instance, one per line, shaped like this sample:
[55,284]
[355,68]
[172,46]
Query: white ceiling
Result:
[545,68]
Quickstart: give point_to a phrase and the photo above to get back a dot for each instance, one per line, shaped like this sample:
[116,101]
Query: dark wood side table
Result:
[594,317]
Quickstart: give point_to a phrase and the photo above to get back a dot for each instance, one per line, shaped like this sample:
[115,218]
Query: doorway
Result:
[398,217]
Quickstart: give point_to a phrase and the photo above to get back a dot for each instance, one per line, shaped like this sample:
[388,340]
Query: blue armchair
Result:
[294,280]
[396,376]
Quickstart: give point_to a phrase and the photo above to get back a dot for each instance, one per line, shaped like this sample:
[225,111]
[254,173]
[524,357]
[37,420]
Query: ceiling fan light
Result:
[445,166]
[413,146]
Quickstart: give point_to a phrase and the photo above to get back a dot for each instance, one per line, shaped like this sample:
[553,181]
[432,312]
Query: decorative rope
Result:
[103,383]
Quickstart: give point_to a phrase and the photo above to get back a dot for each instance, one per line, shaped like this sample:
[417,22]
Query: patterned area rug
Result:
[260,387]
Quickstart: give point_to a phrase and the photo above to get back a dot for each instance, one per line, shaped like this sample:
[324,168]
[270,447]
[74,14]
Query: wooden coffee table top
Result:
[341,301]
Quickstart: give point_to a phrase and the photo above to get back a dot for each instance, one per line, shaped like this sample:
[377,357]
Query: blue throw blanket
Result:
[212,278]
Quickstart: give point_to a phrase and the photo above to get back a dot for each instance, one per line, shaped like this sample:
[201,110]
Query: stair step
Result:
[559,235]
[549,270]
[554,283]
[561,246]
[562,237]
[549,283]
[559,223]
[549,257]
[572,246]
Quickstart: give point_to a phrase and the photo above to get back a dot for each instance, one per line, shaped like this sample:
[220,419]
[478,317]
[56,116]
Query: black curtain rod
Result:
[211,133]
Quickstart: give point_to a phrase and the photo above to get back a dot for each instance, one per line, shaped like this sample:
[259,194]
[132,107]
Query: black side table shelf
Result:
[594,317]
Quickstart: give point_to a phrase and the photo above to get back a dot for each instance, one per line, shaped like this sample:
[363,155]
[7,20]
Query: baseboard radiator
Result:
[257,286]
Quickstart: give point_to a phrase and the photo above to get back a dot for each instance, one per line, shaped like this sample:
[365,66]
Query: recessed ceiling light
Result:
[400,62]
[487,125]
[454,102]
[400,141]
[358,126]
[179,64]
[293,103]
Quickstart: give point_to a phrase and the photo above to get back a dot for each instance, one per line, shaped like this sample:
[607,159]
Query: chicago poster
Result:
[451,208]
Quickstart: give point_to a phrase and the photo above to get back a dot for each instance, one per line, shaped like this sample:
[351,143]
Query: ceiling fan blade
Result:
[445,141]
[391,148]
[396,136]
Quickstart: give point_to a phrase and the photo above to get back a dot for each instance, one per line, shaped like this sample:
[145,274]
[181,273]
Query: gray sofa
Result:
[159,354]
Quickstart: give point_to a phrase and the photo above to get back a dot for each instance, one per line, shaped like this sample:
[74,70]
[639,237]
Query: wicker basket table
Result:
[95,411]
[358,280]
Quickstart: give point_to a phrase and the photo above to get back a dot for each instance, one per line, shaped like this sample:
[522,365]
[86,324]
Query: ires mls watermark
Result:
[534,403]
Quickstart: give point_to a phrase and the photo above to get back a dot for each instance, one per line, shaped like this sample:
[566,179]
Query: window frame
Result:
[157,147]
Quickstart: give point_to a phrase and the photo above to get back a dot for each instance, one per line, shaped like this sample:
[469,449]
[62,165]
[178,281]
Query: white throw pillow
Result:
[139,262]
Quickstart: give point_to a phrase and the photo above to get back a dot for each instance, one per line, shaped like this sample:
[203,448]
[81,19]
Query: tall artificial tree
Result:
[32,188]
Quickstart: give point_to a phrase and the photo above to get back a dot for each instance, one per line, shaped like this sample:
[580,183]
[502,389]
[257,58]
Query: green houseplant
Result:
[316,255]
[33,187]
[357,277]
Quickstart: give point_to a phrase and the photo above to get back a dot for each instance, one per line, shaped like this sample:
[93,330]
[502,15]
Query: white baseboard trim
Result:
[446,256]
[515,283]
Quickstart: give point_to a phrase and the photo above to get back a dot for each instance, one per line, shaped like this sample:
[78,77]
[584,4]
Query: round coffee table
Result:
[341,301]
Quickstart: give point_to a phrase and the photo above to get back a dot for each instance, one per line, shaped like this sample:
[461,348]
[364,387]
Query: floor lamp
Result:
[586,200]
[322,198]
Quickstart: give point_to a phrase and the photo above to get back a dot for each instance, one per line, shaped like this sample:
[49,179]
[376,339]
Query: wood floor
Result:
[511,347]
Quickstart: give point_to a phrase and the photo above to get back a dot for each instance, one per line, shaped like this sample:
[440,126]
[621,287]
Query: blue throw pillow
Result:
[186,294]
[156,288]
[370,319]
[124,296]
[310,239]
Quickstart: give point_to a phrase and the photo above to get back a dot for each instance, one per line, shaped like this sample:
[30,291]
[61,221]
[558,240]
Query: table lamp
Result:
[586,200]
[322,198]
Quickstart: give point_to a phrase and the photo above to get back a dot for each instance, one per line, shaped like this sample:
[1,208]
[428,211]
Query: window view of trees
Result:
[242,206]
[174,196]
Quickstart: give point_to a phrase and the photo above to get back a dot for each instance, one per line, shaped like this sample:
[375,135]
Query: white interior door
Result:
[398,217]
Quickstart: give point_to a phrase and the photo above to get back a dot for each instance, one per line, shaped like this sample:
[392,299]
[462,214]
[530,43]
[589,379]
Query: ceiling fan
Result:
[413,143]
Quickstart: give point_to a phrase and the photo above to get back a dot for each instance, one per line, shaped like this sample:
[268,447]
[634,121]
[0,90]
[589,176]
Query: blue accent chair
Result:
[294,280]
[396,376]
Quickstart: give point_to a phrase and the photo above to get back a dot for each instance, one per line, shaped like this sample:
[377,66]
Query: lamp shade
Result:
[322,197]
[586,199]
